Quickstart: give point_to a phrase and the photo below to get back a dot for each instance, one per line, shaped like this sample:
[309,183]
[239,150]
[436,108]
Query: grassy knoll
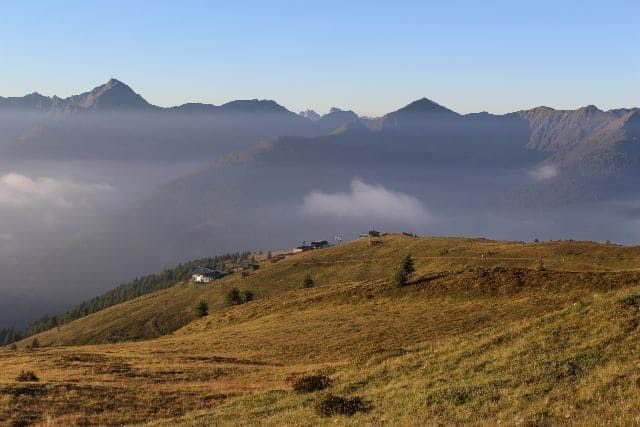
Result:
[485,333]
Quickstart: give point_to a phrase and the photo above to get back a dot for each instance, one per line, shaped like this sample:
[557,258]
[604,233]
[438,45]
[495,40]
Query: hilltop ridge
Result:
[335,265]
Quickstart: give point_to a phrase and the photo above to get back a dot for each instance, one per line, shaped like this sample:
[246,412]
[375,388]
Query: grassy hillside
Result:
[128,291]
[485,332]
[162,312]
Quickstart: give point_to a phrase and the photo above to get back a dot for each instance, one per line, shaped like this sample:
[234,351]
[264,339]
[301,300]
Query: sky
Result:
[372,57]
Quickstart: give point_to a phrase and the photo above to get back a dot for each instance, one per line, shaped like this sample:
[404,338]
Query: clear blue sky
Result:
[371,56]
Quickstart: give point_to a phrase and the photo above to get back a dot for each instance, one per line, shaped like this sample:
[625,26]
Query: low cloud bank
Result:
[545,172]
[39,211]
[20,191]
[367,202]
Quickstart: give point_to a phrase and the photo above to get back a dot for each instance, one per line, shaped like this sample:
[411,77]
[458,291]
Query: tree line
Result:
[125,292]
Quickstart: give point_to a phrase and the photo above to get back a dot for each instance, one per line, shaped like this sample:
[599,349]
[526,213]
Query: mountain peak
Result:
[113,81]
[33,101]
[113,84]
[337,112]
[589,109]
[336,119]
[254,106]
[425,105]
[111,96]
[310,114]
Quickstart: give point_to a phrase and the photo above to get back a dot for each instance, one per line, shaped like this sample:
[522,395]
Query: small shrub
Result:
[247,296]
[330,404]
[311,383]
[308,282]
[27,376]
[202,309]
[632,301]
[35,343]
[234,297]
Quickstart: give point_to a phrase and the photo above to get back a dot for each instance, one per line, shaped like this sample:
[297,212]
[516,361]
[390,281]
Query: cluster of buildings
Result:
[316,244]
[205,275]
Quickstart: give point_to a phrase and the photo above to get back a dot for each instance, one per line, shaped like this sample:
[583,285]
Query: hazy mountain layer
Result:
[114,122]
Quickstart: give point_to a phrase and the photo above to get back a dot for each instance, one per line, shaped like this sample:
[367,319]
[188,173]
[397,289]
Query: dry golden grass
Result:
[480,336]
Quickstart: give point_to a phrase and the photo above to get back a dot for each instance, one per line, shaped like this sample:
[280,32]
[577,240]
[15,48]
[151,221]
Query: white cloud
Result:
[545,172]
[20,191]
[367,202]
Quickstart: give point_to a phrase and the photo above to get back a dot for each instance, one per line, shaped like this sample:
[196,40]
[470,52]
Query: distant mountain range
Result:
[123,123]
[112,122]
[115,96]
[576,151]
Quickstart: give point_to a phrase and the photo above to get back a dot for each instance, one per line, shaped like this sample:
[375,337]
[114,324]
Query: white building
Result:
[205,275]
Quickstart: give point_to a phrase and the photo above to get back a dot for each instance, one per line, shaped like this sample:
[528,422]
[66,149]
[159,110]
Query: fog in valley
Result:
[91,199]
[49,210]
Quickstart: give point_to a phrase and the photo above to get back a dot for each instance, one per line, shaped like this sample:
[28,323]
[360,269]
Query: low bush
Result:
[202,309]
[235,297]
[331,404]
[632,301]
[247,296]
[310,383]
[307,282]
[27,376]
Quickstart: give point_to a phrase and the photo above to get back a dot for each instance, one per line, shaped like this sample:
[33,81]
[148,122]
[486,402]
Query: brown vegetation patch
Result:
[90,404]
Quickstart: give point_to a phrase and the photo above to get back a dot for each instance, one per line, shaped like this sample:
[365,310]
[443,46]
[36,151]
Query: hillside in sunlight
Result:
[485,332]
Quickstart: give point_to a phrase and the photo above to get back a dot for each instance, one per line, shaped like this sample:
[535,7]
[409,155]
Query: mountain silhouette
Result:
[111,96]
[583,145]
[310,114]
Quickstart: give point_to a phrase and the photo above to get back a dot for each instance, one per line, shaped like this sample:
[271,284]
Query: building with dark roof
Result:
[205,275]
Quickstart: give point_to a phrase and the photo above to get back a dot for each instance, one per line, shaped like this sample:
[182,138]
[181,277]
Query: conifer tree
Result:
[202,309]
[403,271]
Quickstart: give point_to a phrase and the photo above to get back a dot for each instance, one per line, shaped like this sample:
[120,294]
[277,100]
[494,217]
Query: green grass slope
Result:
[570,363]
[486,333]
[165,311]
[128,291]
